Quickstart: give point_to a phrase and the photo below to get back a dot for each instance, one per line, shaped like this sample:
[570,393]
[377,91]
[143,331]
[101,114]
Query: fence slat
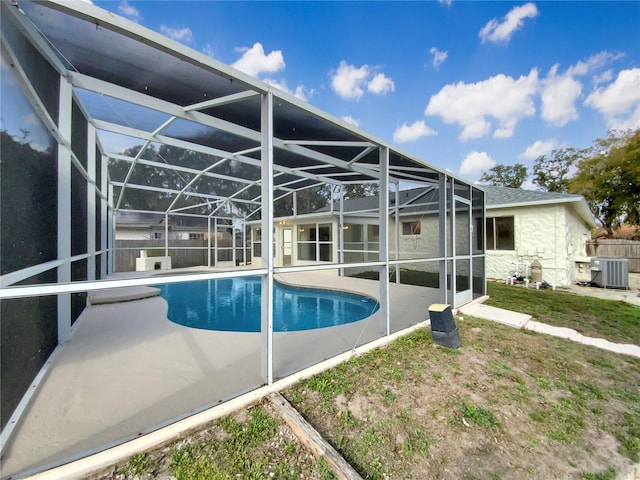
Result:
[617,248]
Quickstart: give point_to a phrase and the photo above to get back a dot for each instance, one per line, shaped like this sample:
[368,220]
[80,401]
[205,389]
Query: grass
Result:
[507,404]
[472,412]
[248,445]
[614,320]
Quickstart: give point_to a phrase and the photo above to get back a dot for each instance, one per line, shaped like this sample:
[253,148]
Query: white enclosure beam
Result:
[216,102]
[133,132]
[178,168]
[327,143]
[64,208]
[267,238]
[175,192]
[91,202]
[383,221]
[442,238]
[396,212]
[104,188]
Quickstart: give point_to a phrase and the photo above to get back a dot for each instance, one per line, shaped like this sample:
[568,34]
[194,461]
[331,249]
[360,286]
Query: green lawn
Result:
[614,320]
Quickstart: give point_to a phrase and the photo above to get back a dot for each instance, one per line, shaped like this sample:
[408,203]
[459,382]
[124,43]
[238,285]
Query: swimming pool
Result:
[233,305]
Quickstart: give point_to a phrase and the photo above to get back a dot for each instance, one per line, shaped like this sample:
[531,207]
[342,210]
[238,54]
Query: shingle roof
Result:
[517,196]
[495,197]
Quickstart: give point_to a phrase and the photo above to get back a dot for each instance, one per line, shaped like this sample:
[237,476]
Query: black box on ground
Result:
[443,328]
[450,340]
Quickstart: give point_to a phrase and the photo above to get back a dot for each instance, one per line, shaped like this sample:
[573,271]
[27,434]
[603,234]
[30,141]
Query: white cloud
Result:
[594,62]
[381,84]
[559,95]
[184,35]
[604,77]
[301,92]
[447,3]
[560,91]
[411,133]
[438,56]
[254,60]
[501,97]
[351,121]
[619,102]
[475,163]
[528,185]
[348,81]
[208,50]
[537,149]
[129,11]
[501,31]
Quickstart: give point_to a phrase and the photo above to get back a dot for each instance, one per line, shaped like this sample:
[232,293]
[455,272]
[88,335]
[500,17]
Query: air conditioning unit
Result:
[610,272]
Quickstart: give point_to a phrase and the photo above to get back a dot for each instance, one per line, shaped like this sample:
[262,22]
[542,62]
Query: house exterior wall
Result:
[551,234]
[578,234]
[126,233]
[423,245]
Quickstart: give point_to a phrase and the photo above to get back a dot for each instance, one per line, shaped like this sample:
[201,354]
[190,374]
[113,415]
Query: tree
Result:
[609,179]
[552,173]
[512,176]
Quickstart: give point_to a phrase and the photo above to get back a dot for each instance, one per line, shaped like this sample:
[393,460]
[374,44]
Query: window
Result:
[256,239]
[500,234]
[196,236]
[314,242]
[157,235]
[411,228]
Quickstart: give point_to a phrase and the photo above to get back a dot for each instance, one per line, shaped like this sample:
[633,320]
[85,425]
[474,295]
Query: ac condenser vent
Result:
[610,272]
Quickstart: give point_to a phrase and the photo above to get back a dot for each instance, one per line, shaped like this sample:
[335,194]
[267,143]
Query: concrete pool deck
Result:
[127,370]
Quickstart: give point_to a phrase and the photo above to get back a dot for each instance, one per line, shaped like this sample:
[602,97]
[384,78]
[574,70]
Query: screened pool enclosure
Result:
[130,160]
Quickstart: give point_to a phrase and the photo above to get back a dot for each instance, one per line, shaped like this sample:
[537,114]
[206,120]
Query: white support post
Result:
[91,202]
[166,234]
[295,204]
[64,209]
[208,241]
[267,237]
[397,230]
[233,244]
[111,217]
[244,242]
[215,241]
[383,218]
[442,231]
[104,188]
[341,230]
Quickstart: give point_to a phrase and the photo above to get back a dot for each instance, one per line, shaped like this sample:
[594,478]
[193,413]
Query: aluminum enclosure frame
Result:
[291,144]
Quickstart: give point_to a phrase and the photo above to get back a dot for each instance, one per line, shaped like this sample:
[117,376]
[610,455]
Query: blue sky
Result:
[462,85]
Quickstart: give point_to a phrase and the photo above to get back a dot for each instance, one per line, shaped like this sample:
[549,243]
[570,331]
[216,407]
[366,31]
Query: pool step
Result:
[121,294]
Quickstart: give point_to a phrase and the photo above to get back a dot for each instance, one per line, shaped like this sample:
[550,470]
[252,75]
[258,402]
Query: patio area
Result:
[128,370]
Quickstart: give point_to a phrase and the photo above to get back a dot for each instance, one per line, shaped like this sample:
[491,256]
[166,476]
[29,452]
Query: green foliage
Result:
[609,179]
[512,176]
[608,474]
[480,415]
[137,465]
[553,172]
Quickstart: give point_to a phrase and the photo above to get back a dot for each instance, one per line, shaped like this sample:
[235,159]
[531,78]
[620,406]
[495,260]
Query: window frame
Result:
[494,239]
[415,227]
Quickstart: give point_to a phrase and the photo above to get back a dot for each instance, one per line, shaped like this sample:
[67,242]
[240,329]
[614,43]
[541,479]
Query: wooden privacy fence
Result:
[614,248]
[184,253]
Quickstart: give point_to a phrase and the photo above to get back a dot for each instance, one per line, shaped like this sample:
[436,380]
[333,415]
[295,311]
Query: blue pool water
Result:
[233,304]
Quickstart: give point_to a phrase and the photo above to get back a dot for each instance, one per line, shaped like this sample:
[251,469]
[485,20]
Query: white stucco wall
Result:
[423,245]
[551,234]
[124,233]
